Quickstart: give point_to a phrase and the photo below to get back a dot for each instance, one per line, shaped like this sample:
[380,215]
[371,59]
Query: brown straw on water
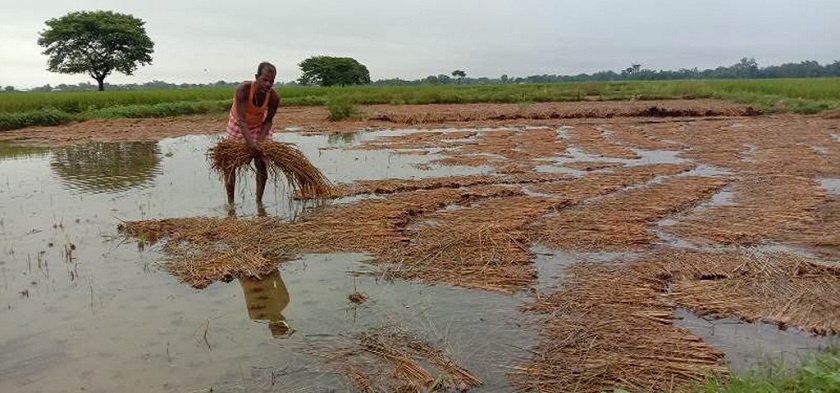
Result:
[305,178]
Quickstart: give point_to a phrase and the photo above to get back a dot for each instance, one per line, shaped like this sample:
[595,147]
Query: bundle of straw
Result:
[305,178]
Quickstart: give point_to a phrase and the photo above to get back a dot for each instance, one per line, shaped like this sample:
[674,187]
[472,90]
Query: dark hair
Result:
[266,65]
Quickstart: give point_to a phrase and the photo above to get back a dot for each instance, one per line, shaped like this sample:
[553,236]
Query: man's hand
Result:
[266,127]
[254,149]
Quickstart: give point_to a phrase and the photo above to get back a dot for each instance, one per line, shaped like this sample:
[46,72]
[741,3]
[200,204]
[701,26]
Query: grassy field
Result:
[22,109]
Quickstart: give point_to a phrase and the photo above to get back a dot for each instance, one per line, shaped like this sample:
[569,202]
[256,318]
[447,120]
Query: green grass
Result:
[21,109]
[819,374]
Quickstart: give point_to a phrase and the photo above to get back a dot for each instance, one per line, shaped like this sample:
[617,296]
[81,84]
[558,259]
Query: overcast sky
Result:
[200,41]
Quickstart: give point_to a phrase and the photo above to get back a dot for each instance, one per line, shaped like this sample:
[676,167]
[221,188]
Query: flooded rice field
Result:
[493,244]
[85,308]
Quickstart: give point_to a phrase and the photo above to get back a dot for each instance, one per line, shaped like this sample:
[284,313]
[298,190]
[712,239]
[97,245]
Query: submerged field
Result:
[645,246]
[19,110]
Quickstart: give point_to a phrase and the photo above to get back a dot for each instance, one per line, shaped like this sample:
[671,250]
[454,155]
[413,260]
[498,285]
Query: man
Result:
[251,116]
[265,299]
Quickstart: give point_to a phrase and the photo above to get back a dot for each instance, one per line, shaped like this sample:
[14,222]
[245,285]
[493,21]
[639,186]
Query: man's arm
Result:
[273,104]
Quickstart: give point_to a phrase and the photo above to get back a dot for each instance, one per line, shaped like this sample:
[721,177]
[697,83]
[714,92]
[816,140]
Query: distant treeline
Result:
[744,69]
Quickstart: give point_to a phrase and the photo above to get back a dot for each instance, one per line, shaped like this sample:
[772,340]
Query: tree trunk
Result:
[101,82]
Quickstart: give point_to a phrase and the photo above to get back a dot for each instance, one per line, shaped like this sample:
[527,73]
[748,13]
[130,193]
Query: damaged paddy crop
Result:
[460,249]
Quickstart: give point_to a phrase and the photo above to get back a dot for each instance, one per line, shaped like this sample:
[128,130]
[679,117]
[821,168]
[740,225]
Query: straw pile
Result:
[202,250]
[601,183]
[621,220]
[377,225]
[781,145]
[593,141]
[794,159]
[420,140]
[781,288]
[392,186]
[639,137]
[442,114]
[824,232]
[392,359]
[480,246]
[469,160]
[610,327]
[510,151]
[765,208]
[280,158]
[591,165]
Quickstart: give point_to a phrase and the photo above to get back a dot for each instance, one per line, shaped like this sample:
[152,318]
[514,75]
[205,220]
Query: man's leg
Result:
[262,177]
[230,185]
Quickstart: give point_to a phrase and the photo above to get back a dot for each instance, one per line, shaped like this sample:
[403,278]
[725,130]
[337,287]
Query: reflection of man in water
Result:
[265,299]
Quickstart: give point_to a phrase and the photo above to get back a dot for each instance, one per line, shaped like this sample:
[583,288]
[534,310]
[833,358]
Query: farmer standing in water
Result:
[251,115]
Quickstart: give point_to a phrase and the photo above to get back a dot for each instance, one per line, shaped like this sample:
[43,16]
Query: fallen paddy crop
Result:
[481,246]
[601,183]
[392,186]
[782,288]
[621,220]
[593,141]
[764,208]
[609,327]
[203,250]
[230,156]
[606,326]
[392,359]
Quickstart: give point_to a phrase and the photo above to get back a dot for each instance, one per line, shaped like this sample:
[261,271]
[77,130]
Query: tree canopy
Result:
[333,71]
[96,43]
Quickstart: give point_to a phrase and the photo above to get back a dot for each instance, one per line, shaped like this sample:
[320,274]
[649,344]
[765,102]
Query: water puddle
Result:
[646,157]
[551,264]
[831,185]
[705,170]
[563,132]
[749,154]
[149,333]
[746,344]
[821,150]
[83,308]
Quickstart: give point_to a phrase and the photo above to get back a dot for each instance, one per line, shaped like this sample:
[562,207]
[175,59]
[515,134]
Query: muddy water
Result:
[748,344]
[82,308]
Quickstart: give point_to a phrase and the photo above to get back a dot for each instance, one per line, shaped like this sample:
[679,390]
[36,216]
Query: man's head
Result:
[265,75]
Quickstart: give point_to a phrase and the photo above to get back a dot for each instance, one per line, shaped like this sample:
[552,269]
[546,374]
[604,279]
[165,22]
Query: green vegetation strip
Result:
[23,109]
[819,374]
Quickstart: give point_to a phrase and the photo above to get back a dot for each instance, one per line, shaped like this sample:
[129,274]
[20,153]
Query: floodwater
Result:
[748,344]
[831,185]
[84,309]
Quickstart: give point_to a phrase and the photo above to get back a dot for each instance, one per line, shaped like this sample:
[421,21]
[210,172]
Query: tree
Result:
[9,88]
[333,71]
[96,43]
[746,68]
[460,74]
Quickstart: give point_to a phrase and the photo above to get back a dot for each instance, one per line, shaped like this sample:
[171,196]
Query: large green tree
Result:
[333,71]
[96,43]
[460,74]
